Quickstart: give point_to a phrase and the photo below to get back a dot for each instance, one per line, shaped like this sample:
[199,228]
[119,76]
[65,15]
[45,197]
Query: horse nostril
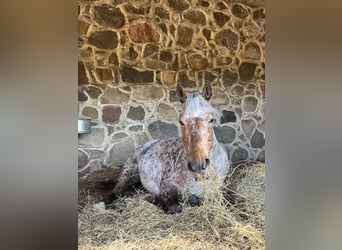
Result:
[207,162]
[190,167]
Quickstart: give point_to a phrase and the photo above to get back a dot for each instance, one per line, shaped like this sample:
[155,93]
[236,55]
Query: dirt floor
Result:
[134,223]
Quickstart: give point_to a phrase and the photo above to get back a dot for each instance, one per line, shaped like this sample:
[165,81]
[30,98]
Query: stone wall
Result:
[131,55]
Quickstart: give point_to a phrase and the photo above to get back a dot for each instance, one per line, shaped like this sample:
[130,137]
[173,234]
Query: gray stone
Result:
[246,71]
[114,96]
[237,90]
[96,154]
[83,159]
[111,114]
[94,138]
[227,38]
[149,92]
[109,16]
[131,75]
[90,112]
[141,138]
[136,128]
[250,104]
[261,156]
[173,96]
[136,113]
[229,78]
[239,154]
[257,140]
[119,136]
[240,11]
[184,35]
[104,39]
[227,116]
[225,134]
[252,51]
[82,97]
[248,127]
[93,92]
[120,151]
[219,97]
[167,112]
[162,130]
[178,5]
[82,75]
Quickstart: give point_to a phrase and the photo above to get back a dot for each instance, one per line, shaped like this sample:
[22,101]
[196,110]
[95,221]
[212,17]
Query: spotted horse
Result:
[170,168]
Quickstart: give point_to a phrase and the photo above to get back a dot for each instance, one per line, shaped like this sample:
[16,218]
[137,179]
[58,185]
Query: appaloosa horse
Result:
[169,168]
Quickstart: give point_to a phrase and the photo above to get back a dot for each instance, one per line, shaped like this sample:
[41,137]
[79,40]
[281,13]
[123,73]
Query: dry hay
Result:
[134,223]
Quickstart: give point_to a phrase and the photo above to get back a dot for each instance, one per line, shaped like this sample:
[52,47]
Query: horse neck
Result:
[215,147]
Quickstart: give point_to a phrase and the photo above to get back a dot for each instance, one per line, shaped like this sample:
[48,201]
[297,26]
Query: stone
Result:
[90,112]
[184,80]
[252,51]
[96,154]
[229,78]
[203,3]
[261,156]
[250,104]
[120,151]
[93,92]
[83,159]
[104,74]
[149,92]
[178,5]
[197,62]
[219,97]
[221,6]
[169,78]
[259,14]
[220,18]
[173,96]
[206,34]
[223,60]
[161,12]
[195,17]
[257,140]
[82,75]
[136,128]
[155,65]
[162,130]
[83,28]
[104,39]
[141,138]
[246,71]
[167,112]
[131,75]
[227,38]
[239,154]
[225,134]
[111,114]
[166,56]
[109,16]
[143,33]
[184,35]
[119,136]
[113,59]
[82,97]
[138,9]
[237,90]
[114,96]
[210,77]
[136,113]
[240,11]
[227,116]
[248,127]
[93,139]
[151,49]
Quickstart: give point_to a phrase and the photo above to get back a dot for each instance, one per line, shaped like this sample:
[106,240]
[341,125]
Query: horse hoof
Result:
[100,206]
[194,200]
[174,209]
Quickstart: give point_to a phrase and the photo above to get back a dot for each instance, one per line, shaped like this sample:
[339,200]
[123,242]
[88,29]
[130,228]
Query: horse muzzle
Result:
[198,167]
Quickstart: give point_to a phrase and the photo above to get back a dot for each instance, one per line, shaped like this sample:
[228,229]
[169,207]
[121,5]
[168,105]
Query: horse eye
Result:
[212,120]
[181,123]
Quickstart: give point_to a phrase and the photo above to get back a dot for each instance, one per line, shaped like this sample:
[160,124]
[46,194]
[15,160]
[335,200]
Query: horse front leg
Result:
[170,195]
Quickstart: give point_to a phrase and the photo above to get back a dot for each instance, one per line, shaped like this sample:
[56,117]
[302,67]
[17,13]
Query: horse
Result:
[170,168]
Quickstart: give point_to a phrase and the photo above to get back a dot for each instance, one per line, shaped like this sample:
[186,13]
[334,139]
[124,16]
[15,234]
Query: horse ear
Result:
[181,93]
[207,91]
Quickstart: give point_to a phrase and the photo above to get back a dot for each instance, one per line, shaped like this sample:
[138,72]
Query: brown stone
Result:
[90,112]
[246,71]
[252,51]
[207,34]
[240,11]
[227,38]
[184,80]
[178,5]
[137,10]
[155,64]
[165,56]
[184,35]
[109,16]
[82,97]
[132,75]
[248,127]
[82,28]
[223,60]
[149,92]
[197,62]
[220,18]
[82,75]
[195,17]
[203,3]
[250,104]
[209,76]
[151,49]
[161,12]
[104,74]
[169,78]
[113,59]
[105,39]
[95,138]
[114,96]
[111,114]
[143,33]
[167,112]
[259,14]
[93,92]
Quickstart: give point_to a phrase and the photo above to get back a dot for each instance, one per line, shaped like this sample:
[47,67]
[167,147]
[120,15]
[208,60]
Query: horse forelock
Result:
[197,107]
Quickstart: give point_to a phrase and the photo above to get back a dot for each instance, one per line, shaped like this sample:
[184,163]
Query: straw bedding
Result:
[134,223]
